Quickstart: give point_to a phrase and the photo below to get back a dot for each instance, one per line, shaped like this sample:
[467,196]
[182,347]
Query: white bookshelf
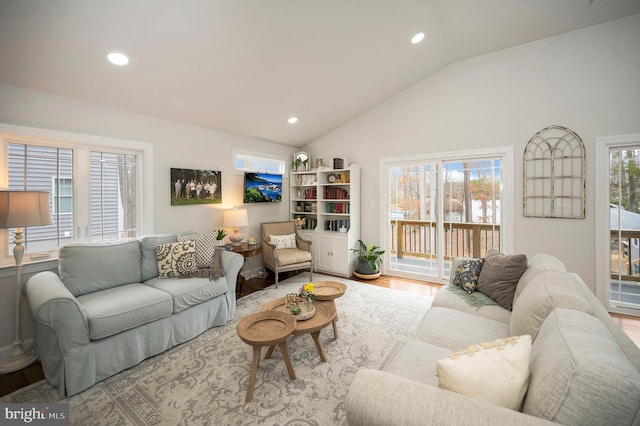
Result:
[328,200]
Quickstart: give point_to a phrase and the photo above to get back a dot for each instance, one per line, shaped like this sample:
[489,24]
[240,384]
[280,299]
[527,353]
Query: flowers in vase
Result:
[307,292]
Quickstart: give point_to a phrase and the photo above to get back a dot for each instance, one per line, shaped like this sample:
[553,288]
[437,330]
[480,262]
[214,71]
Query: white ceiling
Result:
[245,66]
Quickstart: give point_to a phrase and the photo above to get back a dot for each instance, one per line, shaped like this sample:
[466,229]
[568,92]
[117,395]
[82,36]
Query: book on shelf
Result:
[337,208]
[333,193]
[310,193]
[335,225]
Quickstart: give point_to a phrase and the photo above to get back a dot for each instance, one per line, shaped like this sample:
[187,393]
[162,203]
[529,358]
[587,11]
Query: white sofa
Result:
[584,370]
[108,310]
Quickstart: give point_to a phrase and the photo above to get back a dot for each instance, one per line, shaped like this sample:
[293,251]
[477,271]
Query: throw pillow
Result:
[496,372]
[176,259]
[205,248]
[499,276]
[283,241]
[467,274]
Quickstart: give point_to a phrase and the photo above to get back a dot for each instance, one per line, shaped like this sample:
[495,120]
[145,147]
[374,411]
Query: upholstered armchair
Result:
[283,250]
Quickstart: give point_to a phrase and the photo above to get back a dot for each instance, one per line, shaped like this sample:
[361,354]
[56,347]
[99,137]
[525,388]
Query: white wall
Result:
[587,80]
[174,145]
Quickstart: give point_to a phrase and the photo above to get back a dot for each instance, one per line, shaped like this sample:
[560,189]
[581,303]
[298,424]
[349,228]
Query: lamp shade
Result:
[235,218]
[24,208]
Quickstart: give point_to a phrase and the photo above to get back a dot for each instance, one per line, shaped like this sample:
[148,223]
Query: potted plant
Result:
[220,234]
[300,165]
[369,256]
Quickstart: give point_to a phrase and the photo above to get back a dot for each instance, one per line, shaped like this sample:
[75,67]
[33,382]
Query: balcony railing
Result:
[417,238]
[625,255]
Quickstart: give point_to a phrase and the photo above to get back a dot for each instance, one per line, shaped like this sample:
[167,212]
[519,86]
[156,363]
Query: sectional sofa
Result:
[108,309]
[582,368]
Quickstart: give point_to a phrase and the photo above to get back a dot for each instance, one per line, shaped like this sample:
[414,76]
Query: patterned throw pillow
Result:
[496,372]
[176,259]
[283,241]
[467,274]
[205,248]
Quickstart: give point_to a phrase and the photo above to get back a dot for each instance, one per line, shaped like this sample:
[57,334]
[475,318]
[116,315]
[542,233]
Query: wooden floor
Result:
[14,381]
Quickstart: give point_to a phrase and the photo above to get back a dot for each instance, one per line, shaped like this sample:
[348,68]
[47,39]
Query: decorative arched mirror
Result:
[554,174]
[301,161]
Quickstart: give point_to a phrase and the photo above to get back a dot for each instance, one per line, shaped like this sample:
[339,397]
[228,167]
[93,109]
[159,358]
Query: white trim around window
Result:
[603,217]
[83,144]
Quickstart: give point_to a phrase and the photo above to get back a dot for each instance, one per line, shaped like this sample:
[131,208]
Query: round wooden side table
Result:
[330,291]
[266,329]
[325,313]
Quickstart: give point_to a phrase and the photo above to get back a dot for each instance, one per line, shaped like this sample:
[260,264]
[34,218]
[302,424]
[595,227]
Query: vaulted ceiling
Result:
[246,66]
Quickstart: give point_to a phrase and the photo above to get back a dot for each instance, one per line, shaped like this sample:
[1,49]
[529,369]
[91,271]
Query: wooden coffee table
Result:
[268,328]
[325,313]
[330,291]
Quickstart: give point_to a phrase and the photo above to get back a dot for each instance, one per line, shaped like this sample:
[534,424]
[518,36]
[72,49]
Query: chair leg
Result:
[276,274]
[311,274]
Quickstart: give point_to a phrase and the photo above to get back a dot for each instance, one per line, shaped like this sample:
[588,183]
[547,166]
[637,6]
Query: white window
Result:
[62,195]
[94,188]
[247,162]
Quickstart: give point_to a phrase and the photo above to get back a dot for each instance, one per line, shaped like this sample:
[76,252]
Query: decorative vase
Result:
[308,305]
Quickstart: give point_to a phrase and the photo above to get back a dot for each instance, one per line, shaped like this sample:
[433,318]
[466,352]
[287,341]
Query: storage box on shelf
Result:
[328,202]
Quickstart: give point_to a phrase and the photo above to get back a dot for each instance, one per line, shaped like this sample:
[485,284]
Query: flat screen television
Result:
[262,188]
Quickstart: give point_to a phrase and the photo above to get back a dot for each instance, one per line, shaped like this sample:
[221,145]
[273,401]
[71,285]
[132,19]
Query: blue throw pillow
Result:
[467,274]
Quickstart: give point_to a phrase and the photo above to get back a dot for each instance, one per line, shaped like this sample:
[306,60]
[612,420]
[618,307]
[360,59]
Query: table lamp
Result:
[20,209]
[235,218]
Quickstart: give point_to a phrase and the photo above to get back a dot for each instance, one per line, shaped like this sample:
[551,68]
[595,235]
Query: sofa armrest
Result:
[231,264]
[54,307]
[378,398]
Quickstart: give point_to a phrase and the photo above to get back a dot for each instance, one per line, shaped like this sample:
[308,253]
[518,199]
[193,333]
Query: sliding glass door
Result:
[440,208]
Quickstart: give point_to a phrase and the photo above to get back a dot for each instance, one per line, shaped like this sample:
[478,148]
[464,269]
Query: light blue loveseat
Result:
[107,310]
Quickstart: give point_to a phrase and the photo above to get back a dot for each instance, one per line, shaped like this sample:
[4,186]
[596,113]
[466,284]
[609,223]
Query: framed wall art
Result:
[189,186]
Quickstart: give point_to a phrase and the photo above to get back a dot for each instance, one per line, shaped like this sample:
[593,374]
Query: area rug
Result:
[204,381]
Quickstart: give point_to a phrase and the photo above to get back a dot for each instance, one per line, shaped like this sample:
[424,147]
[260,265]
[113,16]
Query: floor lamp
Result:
[19,209]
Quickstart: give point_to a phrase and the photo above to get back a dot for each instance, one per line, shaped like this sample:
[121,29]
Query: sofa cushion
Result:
[579,375]
[536,265]
[456,330]
[148,245]
[176,259]
[292,256]
[499,276]
[205,248]
[189,292]
[122,308]
[496,372]
[89,267]
[467,273]
[417,360]
[453,297]
[549,290]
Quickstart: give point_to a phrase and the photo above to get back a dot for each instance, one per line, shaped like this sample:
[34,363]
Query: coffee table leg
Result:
[335,320]
[269,352]
[287,361]
[254,369]
[316,339]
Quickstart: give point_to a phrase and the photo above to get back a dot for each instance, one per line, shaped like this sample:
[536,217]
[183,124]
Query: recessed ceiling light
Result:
[118,58]
[417,38]
[292,120]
